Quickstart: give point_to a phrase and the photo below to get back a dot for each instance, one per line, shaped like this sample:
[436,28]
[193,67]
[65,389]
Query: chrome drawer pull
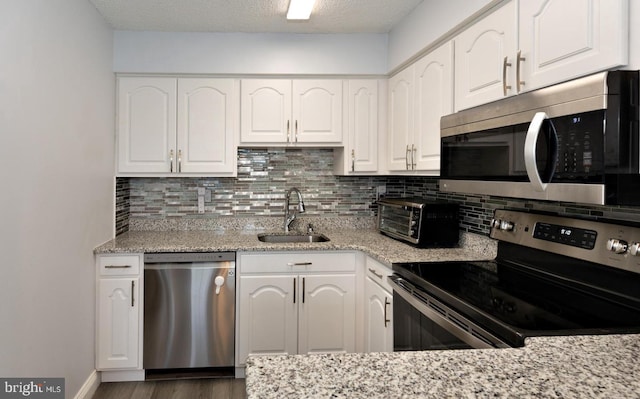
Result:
[299,263]
[375,274]
[118,266]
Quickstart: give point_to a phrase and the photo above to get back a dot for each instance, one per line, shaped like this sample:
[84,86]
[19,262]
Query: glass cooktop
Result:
[520,301]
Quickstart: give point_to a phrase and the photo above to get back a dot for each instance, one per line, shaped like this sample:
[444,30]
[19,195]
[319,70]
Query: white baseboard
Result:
[89,387]
[122,375]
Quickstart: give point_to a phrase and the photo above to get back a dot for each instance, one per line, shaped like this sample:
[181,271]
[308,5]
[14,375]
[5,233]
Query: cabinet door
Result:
[484,54]
[564,39]
[434,98]
[401,109]
[327,313]
[118,323]
[267,316]
[361,149]
[265,111]
[146,124]
[378,318]
[317,111]
[207,124]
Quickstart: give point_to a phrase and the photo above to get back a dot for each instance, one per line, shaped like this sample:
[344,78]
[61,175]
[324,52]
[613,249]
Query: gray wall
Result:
[57,95]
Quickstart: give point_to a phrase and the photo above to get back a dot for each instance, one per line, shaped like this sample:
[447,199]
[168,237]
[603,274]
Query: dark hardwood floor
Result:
[222,388]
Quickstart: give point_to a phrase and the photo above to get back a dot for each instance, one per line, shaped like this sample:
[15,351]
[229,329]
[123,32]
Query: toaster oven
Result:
[418,222]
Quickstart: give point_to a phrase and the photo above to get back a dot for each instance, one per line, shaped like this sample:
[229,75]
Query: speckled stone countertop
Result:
[603,366]
[385,249]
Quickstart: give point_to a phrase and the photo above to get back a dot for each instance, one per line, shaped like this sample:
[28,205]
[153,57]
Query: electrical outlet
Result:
[380,192]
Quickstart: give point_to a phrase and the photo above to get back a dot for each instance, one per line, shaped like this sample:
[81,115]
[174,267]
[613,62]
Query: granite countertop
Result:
[369,241]
[603,366]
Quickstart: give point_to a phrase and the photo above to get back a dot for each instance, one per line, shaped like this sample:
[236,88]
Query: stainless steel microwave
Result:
[576,141]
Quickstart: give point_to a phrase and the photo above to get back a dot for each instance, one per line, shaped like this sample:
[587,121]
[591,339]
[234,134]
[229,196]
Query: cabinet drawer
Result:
[379,273]
[296,262]
[119,265]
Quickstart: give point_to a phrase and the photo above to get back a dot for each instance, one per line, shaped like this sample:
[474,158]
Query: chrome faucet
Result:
[288,217]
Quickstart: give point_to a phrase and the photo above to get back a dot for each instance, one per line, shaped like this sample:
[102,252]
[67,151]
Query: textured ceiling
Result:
[328,16]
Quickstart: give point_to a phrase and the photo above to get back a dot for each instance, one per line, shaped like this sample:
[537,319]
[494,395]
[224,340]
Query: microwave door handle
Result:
[531,139]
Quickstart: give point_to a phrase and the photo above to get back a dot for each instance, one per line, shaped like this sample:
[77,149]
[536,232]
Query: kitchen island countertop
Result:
[386,250]
[603,366]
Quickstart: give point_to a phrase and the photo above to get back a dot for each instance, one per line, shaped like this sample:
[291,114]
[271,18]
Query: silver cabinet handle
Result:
[386,303]
[296,130]
[406,155]
[117,266]
[413,156]
[299,263]
[375,274]
[505,87]
[133,287]
[519,82]
[171,161]
[294,289]
[179,161]
[288,131]
[353,160]
[303,288]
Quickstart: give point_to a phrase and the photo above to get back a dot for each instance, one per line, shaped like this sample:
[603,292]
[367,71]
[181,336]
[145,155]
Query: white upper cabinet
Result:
[401,109]
[433,99]
[361,111]
[146,124]
[169,126]
[286,112]
[207,124]
[530,44]
[418,97]
[565,39]
[484,54]
[265,111]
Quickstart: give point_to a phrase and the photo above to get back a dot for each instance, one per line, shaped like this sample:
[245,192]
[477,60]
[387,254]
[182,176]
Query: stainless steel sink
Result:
[292,238]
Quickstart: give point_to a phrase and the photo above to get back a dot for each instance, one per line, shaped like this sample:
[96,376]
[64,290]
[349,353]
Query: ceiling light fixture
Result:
[300,9]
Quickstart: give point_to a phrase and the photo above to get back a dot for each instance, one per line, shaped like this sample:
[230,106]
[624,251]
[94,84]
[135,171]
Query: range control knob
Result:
[502,225]
[634,249]
[617,246]
[506,226]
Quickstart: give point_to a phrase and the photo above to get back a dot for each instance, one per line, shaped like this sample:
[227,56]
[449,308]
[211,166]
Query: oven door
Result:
[421,322]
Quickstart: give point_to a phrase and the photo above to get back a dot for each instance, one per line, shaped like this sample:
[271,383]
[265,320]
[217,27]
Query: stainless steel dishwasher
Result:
[189,310]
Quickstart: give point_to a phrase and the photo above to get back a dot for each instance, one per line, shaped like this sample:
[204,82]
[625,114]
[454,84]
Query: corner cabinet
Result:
[177,126]
[418,97]
[295,303]
[379,308]
[364,107]
[119,312]
[290,112]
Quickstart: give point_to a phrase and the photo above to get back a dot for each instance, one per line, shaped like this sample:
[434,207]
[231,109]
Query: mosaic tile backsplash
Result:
[264,175]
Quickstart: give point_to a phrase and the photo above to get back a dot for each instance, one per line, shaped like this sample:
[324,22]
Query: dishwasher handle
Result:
[219,282]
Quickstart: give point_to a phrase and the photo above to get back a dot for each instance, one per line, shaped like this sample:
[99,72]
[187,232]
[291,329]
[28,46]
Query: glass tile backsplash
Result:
[265,174]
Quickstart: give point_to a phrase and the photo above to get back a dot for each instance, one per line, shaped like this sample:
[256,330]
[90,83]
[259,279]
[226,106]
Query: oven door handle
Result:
[444,316]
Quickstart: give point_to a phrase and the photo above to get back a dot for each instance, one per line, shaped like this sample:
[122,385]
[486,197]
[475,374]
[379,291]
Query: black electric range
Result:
[552,276]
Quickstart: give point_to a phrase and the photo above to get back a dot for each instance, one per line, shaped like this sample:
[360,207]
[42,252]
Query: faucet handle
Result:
[310,229]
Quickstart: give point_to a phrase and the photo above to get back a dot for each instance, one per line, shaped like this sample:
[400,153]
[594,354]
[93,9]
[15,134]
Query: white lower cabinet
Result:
[379,308]
[295,303]
[119,312]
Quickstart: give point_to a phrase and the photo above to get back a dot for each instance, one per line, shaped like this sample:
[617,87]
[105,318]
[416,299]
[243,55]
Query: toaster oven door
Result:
[400,222]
